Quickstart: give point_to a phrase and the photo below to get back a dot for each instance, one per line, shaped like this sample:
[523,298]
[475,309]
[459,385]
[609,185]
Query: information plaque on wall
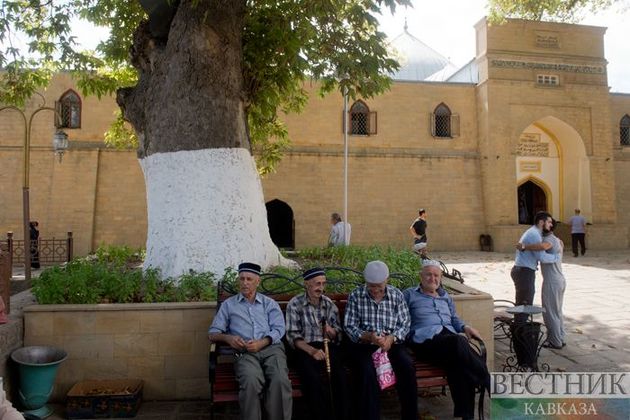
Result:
[529,144]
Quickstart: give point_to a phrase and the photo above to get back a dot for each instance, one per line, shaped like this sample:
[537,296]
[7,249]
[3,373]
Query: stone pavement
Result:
[597,323]
[597,319]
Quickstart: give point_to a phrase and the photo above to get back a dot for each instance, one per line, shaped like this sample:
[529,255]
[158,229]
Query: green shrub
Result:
[398,261]
[112,275]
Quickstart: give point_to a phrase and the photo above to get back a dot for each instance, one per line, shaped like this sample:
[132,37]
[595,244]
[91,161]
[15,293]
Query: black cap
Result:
[313,272]
[249,267]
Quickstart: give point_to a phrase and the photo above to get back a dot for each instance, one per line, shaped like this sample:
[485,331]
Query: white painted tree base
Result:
[206,212]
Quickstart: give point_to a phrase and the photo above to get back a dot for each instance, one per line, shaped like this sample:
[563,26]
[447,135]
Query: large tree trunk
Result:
[205,204]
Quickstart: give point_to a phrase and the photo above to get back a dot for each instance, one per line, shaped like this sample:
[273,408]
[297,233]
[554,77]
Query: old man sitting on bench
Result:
[253,325]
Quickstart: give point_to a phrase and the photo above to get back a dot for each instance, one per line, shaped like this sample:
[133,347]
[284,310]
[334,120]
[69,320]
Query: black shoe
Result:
[575,255]
[548,345]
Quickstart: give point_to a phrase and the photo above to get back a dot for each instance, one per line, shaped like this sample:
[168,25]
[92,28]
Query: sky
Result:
[447,26]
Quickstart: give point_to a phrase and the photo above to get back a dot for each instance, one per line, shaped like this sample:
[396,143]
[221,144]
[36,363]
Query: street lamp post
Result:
[345,165]
[60,144]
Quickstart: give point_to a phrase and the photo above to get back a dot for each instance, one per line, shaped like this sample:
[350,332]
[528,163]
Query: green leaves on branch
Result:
[285,43]
[561,10]
[120,134]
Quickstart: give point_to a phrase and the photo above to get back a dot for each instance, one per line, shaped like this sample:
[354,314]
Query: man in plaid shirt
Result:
[377,317]
[310,316]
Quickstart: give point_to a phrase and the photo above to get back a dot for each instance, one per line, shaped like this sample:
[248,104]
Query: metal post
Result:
[25,182]
[345,165]
[70,246]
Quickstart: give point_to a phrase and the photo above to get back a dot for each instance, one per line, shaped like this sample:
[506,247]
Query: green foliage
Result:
[120,135]
[561,10]
[119,256]
[285,43]
[398,261]
[112,275]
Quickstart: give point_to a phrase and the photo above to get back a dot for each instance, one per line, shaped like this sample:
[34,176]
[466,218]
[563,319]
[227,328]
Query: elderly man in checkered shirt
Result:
[377,317]
[311,317]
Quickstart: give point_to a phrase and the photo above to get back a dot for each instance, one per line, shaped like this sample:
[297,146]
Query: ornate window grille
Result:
[443,123]
[69,109]
[624,130]
[361,121]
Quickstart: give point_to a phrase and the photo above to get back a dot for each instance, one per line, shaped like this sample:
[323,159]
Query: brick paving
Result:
[597,322]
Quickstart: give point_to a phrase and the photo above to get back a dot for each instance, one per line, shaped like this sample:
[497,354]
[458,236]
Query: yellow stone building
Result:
[528,124]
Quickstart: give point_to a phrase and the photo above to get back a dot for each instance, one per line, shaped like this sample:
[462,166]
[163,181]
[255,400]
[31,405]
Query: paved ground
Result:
[597,322]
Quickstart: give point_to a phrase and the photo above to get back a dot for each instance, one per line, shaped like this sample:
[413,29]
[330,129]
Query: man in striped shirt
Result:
[311,317]
[377,317]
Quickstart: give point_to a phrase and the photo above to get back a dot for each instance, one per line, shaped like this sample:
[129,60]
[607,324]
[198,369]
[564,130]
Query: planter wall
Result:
[165,344]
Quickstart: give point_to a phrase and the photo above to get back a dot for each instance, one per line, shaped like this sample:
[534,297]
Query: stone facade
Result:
[542,81]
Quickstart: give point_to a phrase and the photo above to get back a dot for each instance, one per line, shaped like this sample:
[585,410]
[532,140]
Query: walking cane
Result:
[327,358]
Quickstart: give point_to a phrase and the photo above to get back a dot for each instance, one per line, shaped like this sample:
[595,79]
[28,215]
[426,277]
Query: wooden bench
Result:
[223,384]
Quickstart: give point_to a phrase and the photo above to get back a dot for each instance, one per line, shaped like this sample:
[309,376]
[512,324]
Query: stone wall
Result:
[166,345]
[467,183]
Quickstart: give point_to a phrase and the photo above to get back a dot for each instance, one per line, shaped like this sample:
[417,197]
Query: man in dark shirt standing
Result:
[418,230]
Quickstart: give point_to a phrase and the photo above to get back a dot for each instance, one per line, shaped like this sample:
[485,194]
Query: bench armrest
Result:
[479,346]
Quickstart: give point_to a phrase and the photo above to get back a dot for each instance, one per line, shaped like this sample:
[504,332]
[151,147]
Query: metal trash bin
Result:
[37,368]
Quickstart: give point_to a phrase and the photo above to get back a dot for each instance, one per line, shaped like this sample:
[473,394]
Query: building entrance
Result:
[281,224]
[531,200]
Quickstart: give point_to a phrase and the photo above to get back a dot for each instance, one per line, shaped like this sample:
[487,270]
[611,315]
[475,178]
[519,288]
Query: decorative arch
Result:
[624,130]
[281,223]
[69,108]
[563,166]
[533,195]
[441,124]
[359,118]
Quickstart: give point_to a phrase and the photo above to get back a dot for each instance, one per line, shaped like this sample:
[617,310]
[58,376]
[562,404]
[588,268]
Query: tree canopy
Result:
[285,42]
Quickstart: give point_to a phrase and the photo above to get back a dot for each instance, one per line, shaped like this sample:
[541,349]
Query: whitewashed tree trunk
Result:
[206,212]
[204,198]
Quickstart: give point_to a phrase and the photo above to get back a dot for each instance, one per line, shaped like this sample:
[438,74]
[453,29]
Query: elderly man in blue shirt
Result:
[530,250]
[434,336]
[253,324]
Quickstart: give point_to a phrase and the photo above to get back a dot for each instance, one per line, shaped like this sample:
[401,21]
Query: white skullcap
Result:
[430,263]
[376,272]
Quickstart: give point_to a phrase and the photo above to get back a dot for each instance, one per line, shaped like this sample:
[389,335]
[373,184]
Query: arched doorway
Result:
[281,224]
[551,154]
[531,199]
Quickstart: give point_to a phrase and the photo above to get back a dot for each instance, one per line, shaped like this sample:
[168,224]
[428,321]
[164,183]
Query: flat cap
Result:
[250,268]
[313,272]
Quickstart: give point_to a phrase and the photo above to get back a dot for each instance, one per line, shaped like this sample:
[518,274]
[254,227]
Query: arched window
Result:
[442,122]
[69,109]
[362,122]
[624,130]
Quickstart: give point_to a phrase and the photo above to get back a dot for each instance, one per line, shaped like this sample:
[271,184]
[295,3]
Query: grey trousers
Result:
[264,374]
[552,297]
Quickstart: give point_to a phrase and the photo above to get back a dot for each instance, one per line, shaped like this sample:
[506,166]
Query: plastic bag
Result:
[384,371]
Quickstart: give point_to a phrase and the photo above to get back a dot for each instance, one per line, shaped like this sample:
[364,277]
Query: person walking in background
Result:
[340,231]
[418,230]
[34,236]
[578,232]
